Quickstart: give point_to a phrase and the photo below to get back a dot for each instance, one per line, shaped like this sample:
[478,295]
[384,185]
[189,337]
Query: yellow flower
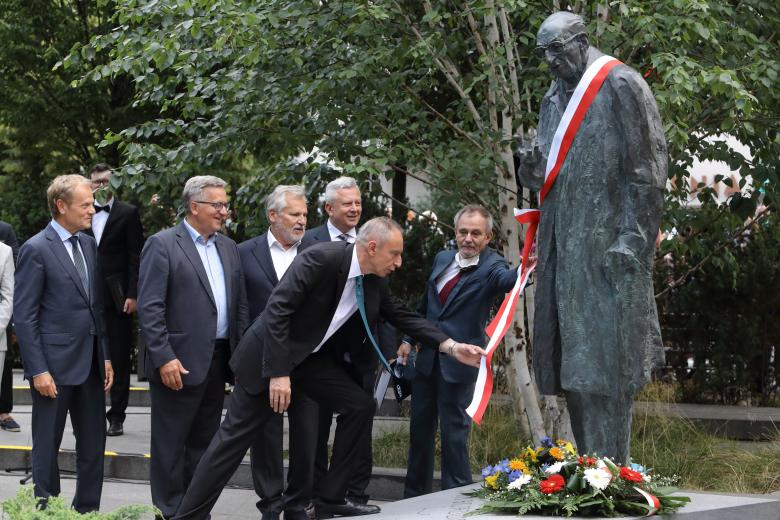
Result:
[570,448]
[492,481]
[518,465]
[556,453]
[531,453]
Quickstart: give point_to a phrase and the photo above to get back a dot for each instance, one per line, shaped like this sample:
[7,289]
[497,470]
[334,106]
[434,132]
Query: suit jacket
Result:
[119,251]
[6,291]
[176,308]
[259,272]
[8,237]
[316,235]
[300,310]
[56,321]
[465,313]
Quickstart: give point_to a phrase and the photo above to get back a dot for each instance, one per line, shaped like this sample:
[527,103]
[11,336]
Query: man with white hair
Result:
[265,259]
[192,310]
[332,295]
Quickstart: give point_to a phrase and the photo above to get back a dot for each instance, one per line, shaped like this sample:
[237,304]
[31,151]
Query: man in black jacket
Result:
[116,227]
[7,423]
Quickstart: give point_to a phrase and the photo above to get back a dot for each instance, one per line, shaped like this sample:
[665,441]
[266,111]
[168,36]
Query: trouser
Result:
[601,424]
[86,404]
[321,379]
[183,423]
[119,328]
[7,380]
[435,400]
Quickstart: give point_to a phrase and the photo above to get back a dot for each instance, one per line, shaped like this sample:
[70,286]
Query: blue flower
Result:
[487,471]
[504,465]
[547,442]
[638,467]
[514,475]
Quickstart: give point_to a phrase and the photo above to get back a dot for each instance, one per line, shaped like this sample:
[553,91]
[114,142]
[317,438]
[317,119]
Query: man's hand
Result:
[44,383]
[279,393]
[130,306]
[465,353]
[404,349]
[171,372]
[109,381]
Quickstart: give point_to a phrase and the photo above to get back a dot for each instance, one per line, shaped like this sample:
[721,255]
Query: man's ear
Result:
[60,206]
[582,39]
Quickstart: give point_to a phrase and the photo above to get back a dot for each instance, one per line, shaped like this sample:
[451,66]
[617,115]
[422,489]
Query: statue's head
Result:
[563,43]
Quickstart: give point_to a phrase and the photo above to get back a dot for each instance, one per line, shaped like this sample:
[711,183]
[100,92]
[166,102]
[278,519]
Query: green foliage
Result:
[24,506]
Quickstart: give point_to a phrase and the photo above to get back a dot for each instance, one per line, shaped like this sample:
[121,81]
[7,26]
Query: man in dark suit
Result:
[315,308]
[462,287]
[7,423]
[116,227]
[59,325]
[192,310]
[264,260]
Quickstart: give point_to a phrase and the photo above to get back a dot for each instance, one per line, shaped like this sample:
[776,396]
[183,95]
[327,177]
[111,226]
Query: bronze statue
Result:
[596,332]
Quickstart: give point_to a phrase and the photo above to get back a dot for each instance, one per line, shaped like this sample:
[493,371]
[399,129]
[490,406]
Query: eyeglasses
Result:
[219,206]
[555,46]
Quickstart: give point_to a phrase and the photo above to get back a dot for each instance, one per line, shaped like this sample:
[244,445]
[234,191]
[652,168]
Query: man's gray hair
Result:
[194,187]
[475,208]
[335,185]
[377,229]
[61,188]
[277,199]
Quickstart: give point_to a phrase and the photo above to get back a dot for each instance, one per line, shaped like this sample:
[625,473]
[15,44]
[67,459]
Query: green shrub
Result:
[24,506]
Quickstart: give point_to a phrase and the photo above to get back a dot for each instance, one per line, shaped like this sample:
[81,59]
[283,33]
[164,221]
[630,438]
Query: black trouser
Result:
[183,423]
[86,404]
[7,383]
[267,464]
[325,382]
[361,474]
[119,329]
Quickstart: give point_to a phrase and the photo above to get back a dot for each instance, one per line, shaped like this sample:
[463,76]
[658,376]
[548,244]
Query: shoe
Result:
[297,514]
[8,424]
[347,508]
[270,515]
[115,429]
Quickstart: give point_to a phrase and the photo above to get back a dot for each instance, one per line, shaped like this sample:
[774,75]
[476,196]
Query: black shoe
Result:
[346,508]
[270,515]
[115,429]
[297,514]
[362,499]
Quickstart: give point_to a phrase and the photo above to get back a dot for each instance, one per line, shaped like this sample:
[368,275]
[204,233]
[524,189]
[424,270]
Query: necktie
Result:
[105,208]
[362,308]
[343,237]
[78,261]
[447,289]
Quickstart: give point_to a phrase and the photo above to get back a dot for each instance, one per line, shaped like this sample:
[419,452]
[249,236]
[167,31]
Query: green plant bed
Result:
[24,506]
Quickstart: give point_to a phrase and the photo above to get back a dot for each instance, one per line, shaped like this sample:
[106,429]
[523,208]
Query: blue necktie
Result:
[78,262]
[362,308]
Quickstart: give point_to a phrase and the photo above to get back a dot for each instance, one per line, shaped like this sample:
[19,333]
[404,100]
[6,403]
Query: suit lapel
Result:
[113,216]
[464,279]
[263,256]
[343,273]
[58,248]
[185,243]
[227,268]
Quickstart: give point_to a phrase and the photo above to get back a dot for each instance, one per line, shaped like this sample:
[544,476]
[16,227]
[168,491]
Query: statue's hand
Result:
[528,156]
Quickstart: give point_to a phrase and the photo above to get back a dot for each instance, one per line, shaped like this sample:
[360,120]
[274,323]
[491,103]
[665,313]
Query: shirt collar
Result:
[465,263]
[196,237]
[334,232]
[272,241]
[354,266]
[63,233]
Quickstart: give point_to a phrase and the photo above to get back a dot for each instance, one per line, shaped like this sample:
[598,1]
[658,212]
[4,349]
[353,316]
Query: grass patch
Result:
[671,446]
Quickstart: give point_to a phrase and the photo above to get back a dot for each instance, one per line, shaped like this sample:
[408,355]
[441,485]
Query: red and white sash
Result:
[584,94]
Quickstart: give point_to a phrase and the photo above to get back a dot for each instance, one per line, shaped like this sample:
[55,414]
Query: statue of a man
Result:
[596,333]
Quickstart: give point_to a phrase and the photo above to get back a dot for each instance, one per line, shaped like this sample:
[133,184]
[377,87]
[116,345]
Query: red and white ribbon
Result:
[652,501]
[578,105]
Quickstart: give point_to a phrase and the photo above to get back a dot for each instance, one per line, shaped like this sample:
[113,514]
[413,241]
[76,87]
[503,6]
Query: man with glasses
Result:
[596,333]
[192,311]
[116,227]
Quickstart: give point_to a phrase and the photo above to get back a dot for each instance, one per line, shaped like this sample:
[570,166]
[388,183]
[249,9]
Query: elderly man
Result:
[59,324]
[343,204]
[461,289]
[192,310]
[265,260]
[332,295]
[596,333]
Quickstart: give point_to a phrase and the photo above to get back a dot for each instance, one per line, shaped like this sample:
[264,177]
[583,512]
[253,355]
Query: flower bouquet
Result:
[553,479]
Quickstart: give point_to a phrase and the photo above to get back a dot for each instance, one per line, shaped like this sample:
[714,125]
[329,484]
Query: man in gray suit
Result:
[192,310]
[59,325]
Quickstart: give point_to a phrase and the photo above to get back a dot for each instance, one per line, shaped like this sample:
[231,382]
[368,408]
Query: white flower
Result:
[554,468]
[521,481]
[598,478]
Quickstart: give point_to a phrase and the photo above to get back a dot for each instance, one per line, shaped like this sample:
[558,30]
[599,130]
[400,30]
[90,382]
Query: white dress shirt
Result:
[212,263]
[99,220]
[281,257]
[347,304]
[64,235]
[335,233]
